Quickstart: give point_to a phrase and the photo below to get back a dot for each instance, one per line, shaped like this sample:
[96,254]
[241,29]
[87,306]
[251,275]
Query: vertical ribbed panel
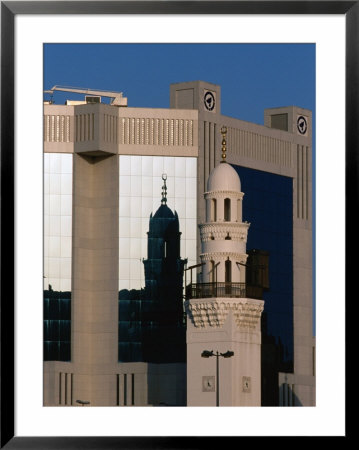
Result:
[302,182]
[56,128]
[130,131]
[259,147]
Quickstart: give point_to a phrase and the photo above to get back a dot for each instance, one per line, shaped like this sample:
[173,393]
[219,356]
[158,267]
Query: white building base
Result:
[224,324]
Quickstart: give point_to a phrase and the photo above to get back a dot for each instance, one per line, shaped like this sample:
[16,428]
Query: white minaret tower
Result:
[222,321]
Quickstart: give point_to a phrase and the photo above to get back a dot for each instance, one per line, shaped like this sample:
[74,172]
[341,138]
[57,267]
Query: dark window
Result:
[227,210]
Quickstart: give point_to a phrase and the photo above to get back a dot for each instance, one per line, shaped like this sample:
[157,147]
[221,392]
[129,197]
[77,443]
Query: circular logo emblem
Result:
[302,125]
[209,101]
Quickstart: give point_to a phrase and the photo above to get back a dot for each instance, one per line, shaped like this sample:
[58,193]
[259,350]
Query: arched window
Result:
[213,210]
[227,210]
[228,271]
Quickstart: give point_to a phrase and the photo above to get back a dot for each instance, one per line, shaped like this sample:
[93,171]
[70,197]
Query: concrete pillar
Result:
[95,277]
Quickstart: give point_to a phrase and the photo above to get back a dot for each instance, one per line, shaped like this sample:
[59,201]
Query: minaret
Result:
[221,319]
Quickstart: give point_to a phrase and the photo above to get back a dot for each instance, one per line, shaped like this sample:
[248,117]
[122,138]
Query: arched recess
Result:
[227,209]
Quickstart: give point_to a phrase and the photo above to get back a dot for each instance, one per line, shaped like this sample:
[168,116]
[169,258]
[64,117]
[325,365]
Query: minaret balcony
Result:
[222,289]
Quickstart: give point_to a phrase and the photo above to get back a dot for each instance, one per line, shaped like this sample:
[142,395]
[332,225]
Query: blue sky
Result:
[252,76]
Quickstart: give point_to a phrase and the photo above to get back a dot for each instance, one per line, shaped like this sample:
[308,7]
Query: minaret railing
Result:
[222,289]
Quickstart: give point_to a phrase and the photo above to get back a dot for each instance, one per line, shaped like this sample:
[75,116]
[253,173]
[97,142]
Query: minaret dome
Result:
[223,178]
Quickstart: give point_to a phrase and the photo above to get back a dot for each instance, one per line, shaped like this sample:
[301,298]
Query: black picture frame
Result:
[9,9]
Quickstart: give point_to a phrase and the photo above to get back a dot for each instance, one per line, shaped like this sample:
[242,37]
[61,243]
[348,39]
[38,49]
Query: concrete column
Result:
[95,277]
[220,210]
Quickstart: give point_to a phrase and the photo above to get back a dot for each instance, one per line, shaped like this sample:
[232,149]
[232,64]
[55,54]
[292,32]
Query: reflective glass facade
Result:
[57,221]
[140,195]
[155,240]
[268,206]
[57,326]
[57,256]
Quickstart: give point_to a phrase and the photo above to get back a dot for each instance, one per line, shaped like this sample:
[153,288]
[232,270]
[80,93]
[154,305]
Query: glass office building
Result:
[57,256]
[268,206]
[154,233]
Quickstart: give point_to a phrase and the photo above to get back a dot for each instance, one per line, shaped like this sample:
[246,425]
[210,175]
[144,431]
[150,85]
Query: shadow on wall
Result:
[287,396]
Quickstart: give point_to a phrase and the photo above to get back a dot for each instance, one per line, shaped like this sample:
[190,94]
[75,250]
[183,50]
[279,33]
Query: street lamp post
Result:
[208,354]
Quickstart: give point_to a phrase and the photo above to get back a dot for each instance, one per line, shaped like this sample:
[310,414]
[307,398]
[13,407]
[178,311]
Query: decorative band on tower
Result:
[224,143]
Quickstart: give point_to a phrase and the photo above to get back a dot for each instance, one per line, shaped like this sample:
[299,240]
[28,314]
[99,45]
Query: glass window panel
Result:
[135,283]
[136,269]
[191,167]
[66,226]
[180,167]
[122,284]
[46,183]
[135,206]
[135,248]
[46,245]
[124,247]
[65,268]
[147,166]
[191,228]
[66,183]
[147,187]
[157,183]
[144,228]
[54,267]
[125,165]
[46,204]
[144,248]
[136,189]
[66,205]
[66,246]
[135,227]
[54,246]
[55,226]
[183,249]
[136,166]
[55,283]
[146,207]
[125,210]
[170,183]
[125,185]
[46,225]
[65,284]
[46,163]
[55,205]
[191,250]
[124,269]
[55,163]
[169,166]
[191,212]
[191,188]
[124,225]
[158,166]
[180,207]
[180,187]
[66,163]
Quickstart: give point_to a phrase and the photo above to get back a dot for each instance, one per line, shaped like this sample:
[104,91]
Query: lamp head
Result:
[207,353]
[228,354]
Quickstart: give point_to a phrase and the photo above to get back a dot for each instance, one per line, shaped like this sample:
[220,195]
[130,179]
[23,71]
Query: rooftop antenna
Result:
[117,98]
